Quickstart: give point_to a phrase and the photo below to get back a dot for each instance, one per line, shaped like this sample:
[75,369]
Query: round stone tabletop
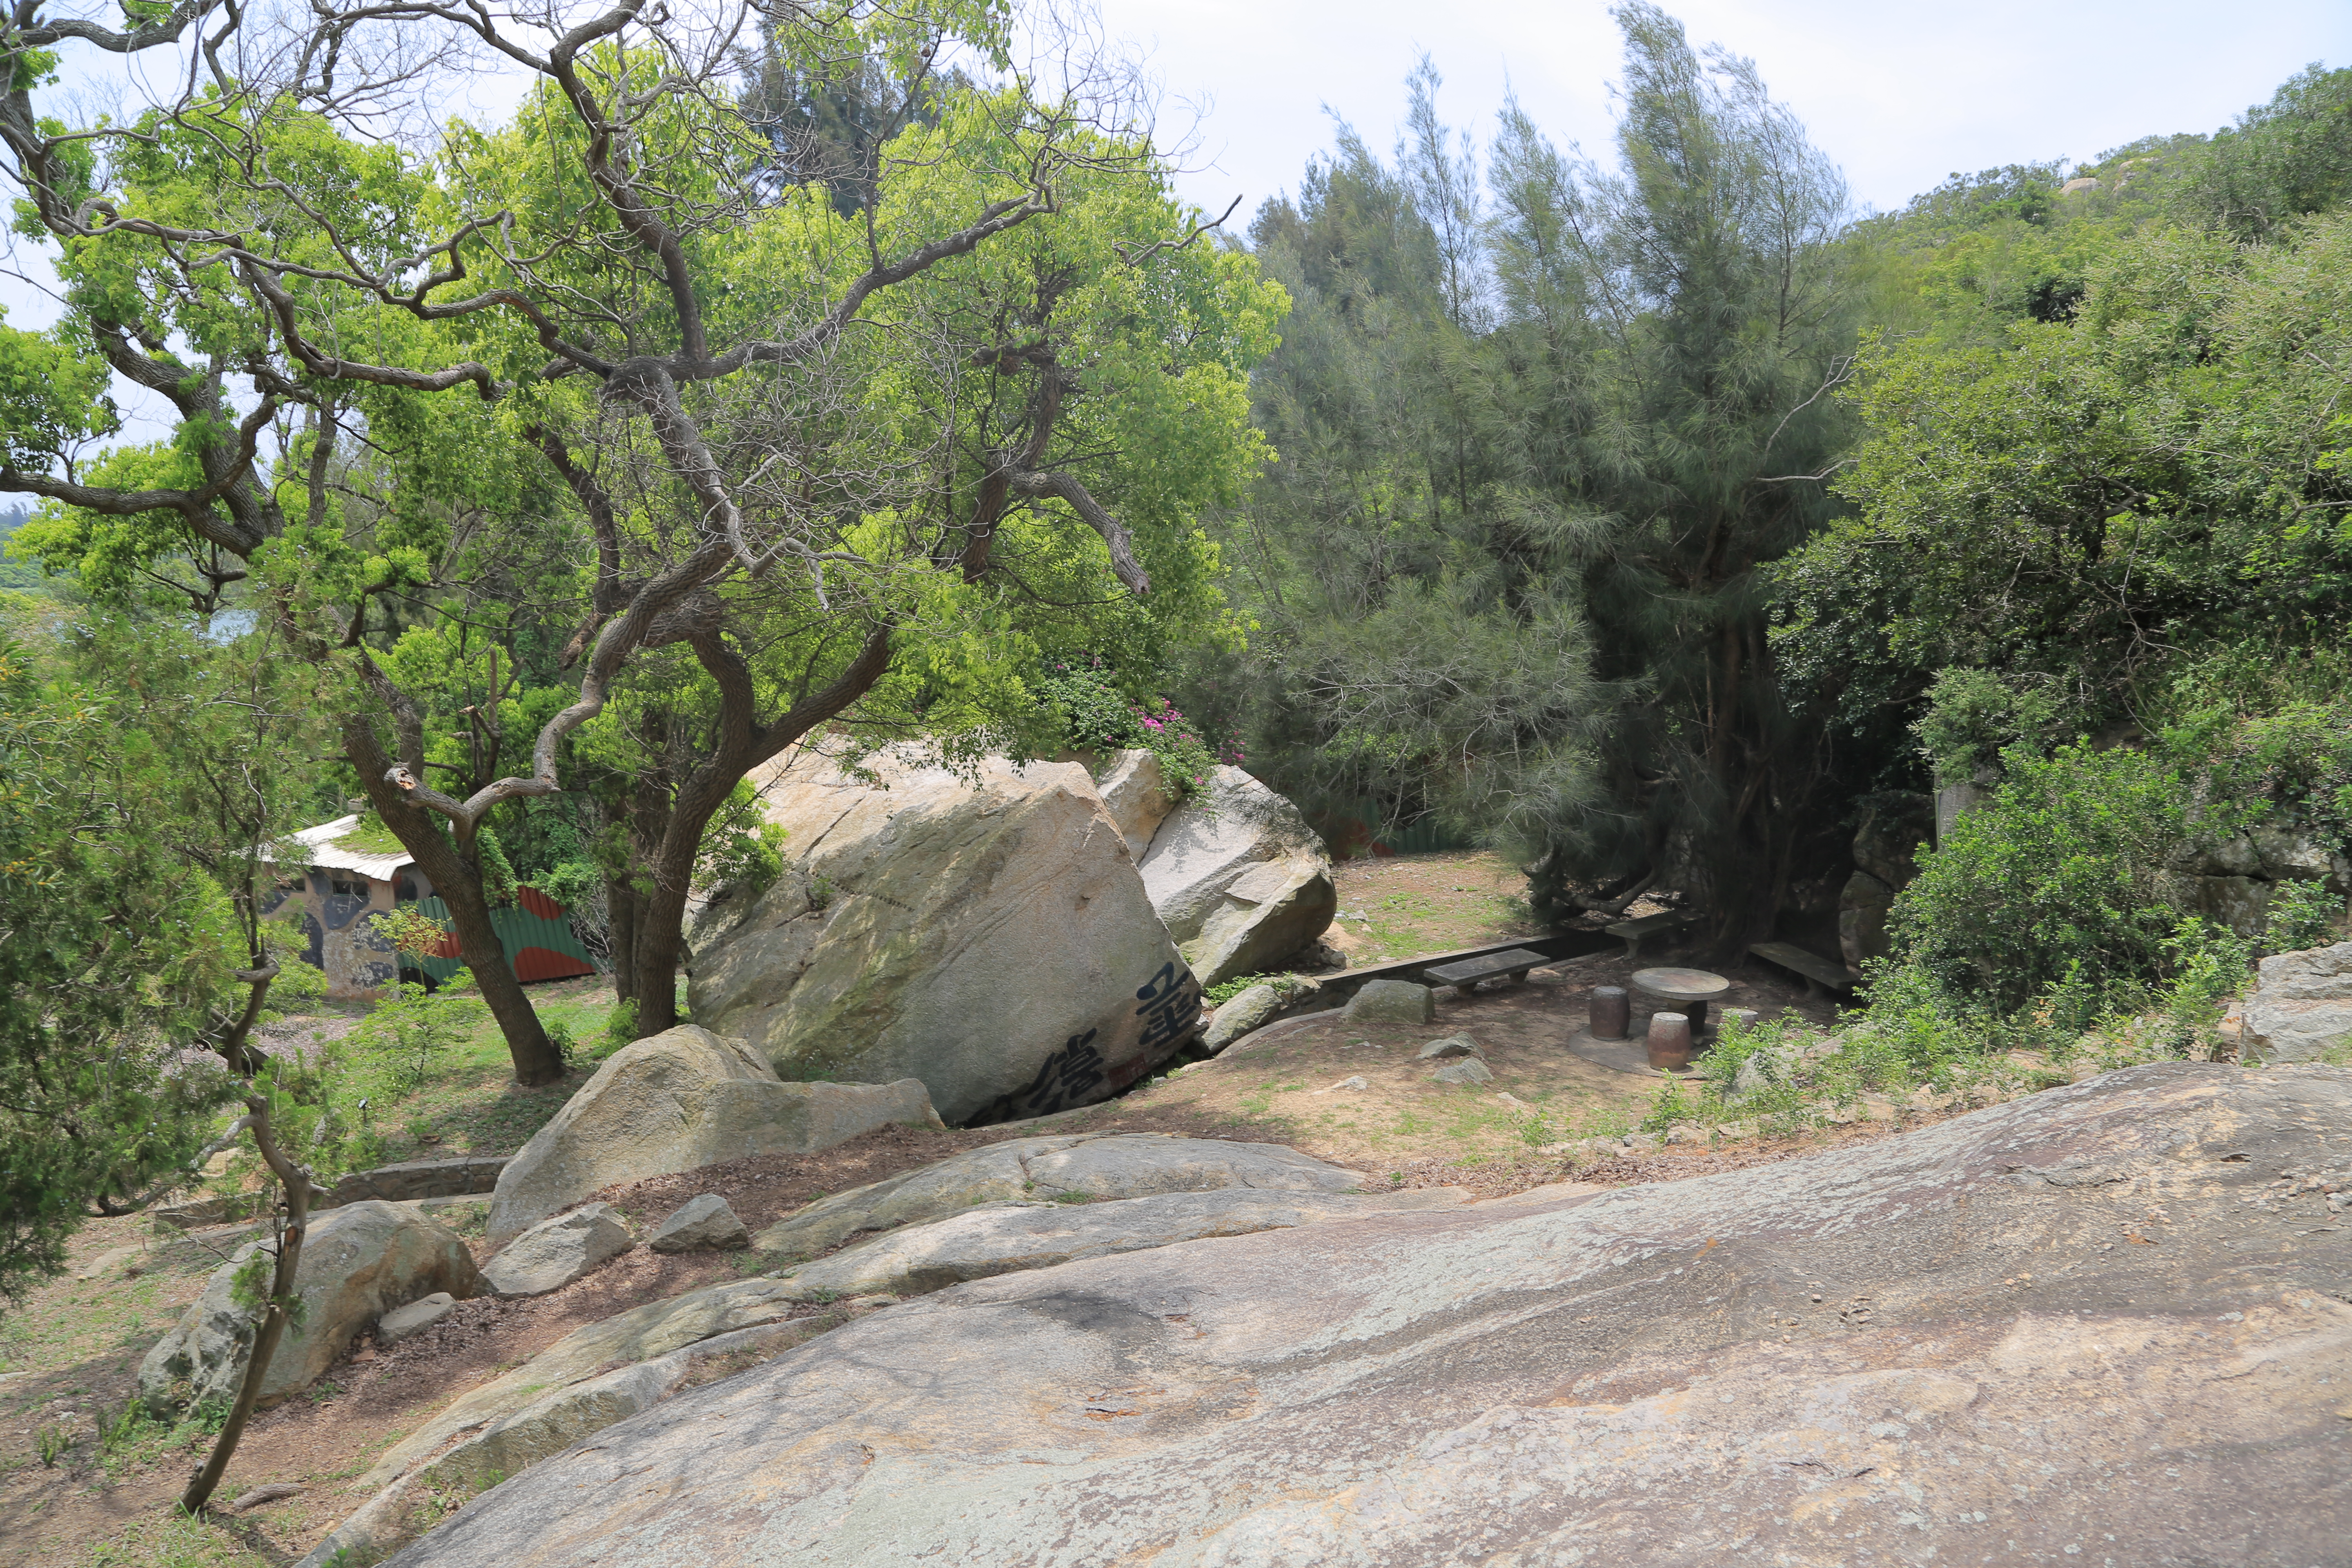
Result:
[1680,985]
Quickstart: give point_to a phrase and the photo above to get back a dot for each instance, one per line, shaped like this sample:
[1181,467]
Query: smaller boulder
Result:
[1452,1045]
[419,1315]
[1134,790]
[1238,878]
[358,1262]
[675,1101]
[2300,1009]
[1469,1070]
[554,1252]
[1393,1002]
[1250,1009]
[702,1224]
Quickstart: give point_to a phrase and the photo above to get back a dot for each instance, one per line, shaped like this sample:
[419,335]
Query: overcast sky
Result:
[1900,93]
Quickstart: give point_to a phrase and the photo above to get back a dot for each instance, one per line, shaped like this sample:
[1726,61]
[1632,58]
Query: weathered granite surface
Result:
[1079,1165]
[2084,1327]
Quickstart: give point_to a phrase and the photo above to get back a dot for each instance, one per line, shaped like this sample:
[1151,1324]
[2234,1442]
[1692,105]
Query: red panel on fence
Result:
[540,904]
[541,963]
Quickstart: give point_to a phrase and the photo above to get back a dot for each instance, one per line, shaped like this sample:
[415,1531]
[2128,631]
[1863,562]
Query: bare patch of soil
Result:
[1293,1083]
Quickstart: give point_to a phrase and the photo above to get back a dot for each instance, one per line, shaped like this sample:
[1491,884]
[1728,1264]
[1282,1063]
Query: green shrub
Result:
[2062,872]
[412,1029]
[2301,915]
[1096,717]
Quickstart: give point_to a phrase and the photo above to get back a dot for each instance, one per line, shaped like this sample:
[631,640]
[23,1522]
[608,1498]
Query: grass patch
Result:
[176,1541]
[81,1320]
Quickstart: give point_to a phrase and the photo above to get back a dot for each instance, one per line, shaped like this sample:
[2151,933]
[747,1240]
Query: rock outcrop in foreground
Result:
[2090,1326]
[1065,1167]
[679,1100]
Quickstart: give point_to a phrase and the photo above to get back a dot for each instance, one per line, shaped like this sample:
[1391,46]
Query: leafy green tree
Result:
[2080,506]
[145,775]
[2283,160]
[717,313]
[1513,558]
[115,950]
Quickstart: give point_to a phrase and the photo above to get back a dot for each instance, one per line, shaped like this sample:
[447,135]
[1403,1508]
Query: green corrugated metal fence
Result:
[539,940]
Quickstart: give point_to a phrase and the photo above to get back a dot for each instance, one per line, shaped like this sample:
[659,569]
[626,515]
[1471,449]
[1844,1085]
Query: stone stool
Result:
[1669,1041]
[1611,1013]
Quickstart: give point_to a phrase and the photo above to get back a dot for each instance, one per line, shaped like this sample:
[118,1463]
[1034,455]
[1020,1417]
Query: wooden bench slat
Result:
[1664,920]
[1812,967]
[1470,971]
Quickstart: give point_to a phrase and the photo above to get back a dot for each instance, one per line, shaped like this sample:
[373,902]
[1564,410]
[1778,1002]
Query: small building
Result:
[339,887]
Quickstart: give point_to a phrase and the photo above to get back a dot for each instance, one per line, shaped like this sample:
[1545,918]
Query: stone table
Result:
[1689,990]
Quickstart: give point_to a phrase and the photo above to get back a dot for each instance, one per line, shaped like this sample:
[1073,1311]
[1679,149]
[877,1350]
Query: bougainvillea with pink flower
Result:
[1098,717]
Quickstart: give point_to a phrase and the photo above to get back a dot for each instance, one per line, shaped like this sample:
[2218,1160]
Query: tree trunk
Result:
[458,881]
[661,938]
[536,1059]
[661,913]
[297,1183]
[621,905]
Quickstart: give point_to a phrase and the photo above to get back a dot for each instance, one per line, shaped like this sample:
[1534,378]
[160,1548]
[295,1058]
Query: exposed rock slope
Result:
[1082,1166]
[2089,1326]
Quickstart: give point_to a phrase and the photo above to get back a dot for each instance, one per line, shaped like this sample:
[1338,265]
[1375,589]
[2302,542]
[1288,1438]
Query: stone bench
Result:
[1633,933]
[1819,973]
[1515,963]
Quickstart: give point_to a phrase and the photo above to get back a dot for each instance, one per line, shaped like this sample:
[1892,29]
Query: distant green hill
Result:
[21,575]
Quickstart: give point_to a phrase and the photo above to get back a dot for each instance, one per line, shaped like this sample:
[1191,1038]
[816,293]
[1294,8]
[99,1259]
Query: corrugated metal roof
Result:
[319,845]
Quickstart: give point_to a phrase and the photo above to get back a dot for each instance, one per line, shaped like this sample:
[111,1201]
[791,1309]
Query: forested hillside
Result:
[1649,513]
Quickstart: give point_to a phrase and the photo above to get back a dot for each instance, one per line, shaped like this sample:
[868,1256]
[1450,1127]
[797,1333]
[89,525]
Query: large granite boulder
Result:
[2301,1008]
[676,1101]
[359,1262]
[990,940]
[1070,1167]
[1240,879]
[2087,1325]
